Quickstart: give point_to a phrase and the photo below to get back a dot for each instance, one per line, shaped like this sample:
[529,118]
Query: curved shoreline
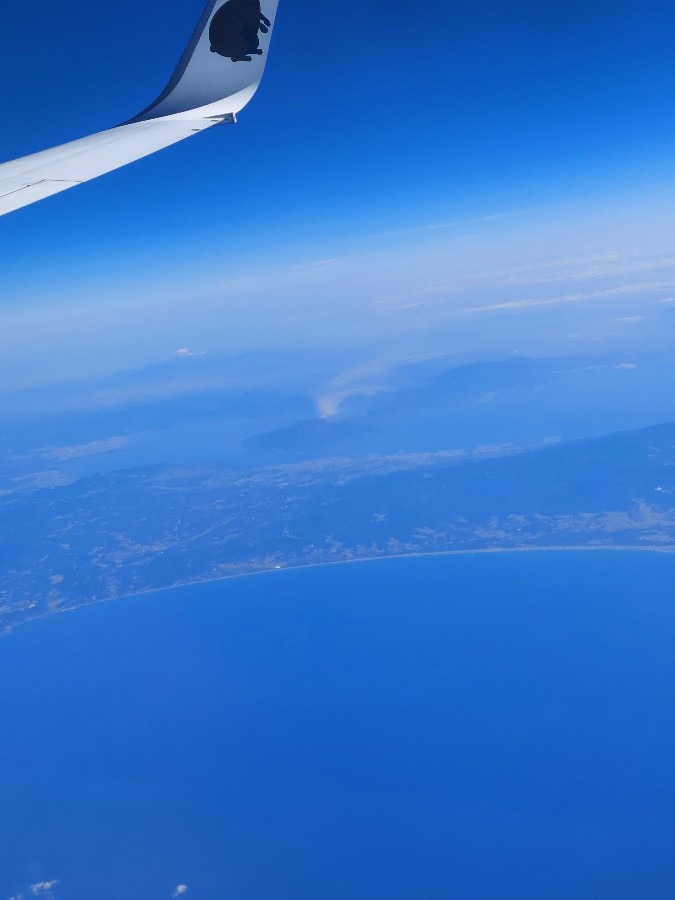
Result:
[420,554]
[477,551]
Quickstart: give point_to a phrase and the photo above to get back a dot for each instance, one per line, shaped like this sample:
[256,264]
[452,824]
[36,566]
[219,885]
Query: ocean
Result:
[477,726]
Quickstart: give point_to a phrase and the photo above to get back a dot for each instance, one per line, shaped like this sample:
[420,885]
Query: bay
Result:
[479,726]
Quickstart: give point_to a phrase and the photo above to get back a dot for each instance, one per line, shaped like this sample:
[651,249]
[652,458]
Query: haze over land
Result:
[444,414]
[208,467]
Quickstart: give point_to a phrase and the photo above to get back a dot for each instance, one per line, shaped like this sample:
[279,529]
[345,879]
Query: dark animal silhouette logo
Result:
[234,30]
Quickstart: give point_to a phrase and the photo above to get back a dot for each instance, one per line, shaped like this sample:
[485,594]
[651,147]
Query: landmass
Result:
[129,532]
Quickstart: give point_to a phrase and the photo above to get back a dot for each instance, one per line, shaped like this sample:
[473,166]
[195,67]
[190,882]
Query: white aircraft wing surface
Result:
[218,74]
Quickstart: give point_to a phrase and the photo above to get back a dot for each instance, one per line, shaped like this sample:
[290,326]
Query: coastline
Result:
[477,551]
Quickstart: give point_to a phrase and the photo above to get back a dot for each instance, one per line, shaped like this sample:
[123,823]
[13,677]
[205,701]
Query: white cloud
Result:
[63,454]
[366,379]
[579,297]
[180,890]
[184,351]
[579,269]
[44,887]
[600,266]
[440,226]
[319,264]
[362,379]
[329,404]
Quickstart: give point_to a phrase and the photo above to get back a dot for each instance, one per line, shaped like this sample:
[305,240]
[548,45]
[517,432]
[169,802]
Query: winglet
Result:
[222,65]
[217,76]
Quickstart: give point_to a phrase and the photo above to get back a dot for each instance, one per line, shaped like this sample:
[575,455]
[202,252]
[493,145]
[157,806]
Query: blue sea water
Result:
[488,726]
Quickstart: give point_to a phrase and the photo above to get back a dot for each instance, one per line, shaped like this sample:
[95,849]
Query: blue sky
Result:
[406,144]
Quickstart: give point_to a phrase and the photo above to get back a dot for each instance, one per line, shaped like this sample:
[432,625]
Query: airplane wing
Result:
[218,74]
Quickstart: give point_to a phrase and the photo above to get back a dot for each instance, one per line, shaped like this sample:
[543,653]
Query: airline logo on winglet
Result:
[235,28]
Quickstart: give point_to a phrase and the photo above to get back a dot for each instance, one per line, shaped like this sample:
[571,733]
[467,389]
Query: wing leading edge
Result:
[218,74]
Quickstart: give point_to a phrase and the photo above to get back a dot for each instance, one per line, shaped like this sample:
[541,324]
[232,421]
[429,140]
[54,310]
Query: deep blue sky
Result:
[373,118]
